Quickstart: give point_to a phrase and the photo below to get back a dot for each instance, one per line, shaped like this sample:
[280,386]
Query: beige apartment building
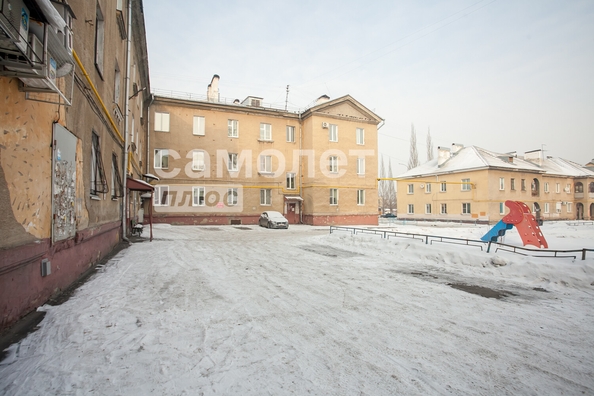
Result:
[472,184]
[225,162]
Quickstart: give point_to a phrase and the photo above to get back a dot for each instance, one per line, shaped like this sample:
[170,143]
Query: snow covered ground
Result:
[250,311]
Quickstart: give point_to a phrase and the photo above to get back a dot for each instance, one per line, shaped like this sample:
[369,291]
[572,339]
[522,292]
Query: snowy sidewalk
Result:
[251,311]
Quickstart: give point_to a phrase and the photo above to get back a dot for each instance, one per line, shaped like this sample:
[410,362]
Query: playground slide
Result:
[520,216]
[497,231]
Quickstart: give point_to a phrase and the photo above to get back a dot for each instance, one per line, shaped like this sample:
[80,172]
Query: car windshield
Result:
[275,215]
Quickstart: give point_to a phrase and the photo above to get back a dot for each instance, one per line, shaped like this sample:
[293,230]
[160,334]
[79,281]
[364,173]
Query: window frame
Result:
[546,188]
[265,197]
[360,136]
[501,208]
[443,187]
[466,208]
[333,196]
[265,164]
[162,154]
[427,188]
[232,162]
[333,164]
[197,198]
[290,180]
[360,197]
[523,184]
[200,123]
[232,128]
[410,188]
[98,179]
[465,186]
[502,184]
[410,209]
[196,161]
[162,121]
[290,132]
[512,184]
[443,209]
[158,195]
[232,197]
[361,166]
[428,208]
[333,133]
[265,132]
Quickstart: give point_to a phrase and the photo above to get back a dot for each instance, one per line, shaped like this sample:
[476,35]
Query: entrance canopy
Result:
[293,198]
[138,185]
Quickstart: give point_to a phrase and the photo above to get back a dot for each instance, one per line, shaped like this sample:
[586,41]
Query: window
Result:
[198,160]
[411,188]
[444,208]
[98,180]
[231,196]
[568,188]
[290,134]
[162,122]
[161,196]
[333,196]
[569,207]
[579,187]
[198,194]
[501,208]
[465,184]
[428,188]
[117,190]
[546,207]
[428,208]
[199,125]
[117,84]
[265,131]
[232,162]
[290,181]
[557,188]
[333,164]
[161,159]
[523,184]
[360,166]
[333,133]
[265,196]
[442,187]
[99,39]
[410,209]
[512,185]
[546,187]
[501,183]
[360,197]
[266,164]
[558,207]
[232,128]
[466,208]
[360,136]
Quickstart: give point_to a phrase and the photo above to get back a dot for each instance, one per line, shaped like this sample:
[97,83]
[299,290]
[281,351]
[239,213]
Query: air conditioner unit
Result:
[325,125]
[421,185]
[564,203]
[14,24]
[567,190]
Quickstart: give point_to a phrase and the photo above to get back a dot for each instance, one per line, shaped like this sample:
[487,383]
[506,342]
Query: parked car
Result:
[388,215]
[273,219]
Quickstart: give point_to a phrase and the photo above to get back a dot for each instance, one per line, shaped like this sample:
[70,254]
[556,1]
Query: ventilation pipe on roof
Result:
[534,156]
[456,147]
[212,92]
[322,99]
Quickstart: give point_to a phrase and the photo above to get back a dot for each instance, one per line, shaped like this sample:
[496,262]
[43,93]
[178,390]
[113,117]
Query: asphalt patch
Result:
[243,228]
[329,251]
[482,291]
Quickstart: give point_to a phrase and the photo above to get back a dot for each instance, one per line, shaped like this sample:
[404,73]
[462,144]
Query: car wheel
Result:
[268,225]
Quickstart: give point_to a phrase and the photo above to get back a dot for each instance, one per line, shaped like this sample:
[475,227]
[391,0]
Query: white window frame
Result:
[232,197]
[466,208]
[501,208]
[198,196]
[360,197]
[522,184]
[569,207]
[334,196]
[266,164]
[428,208]
[558,188]
[290,134]
[546,207]
[443,209]
[443,187]
[502,184]
[161,122]
[160,154]
[198,126]
[546,187]
[465,186]
[265,131]
[333,164]
[265,196]
[158,195]
[333,133]
[198,160]
[233,128]
[558,207]
[360,136]
[290,181]
[410,209]
[232,164]
[512,184]
[428,188]
[361,166]
[411,188]
[99,39]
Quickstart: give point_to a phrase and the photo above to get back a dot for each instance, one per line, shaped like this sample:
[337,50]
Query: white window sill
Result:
[266,141]
[95,198]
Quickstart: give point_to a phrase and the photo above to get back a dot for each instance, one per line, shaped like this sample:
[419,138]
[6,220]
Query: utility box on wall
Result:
[46,267]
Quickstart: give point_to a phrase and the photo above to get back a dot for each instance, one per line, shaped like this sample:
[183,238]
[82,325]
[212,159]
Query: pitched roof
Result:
[475,158]
[346,98]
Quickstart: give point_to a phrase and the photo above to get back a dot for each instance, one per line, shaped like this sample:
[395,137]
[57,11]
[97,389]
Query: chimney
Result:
[443,154]
[212,92]
[456,147]
[322,99]
[534,156]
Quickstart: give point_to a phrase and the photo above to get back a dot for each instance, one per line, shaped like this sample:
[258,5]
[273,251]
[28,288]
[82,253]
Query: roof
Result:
[370,115]
[473,158]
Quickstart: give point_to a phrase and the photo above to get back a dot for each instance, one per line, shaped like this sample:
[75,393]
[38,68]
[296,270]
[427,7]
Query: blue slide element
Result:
[497,231]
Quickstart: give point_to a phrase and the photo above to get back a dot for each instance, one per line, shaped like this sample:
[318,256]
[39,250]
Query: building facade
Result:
[71,77]
[225,161]
[472,184]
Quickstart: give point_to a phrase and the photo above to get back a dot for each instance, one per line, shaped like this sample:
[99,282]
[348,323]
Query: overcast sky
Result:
[499,74]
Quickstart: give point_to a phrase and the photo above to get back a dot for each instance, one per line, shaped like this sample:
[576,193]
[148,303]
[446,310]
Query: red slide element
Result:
[520,216]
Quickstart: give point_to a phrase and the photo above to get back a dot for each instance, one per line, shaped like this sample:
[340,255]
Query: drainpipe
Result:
[126,122]
[301,205]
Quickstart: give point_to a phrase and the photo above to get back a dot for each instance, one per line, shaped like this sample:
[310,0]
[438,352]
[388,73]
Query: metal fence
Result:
[430,239]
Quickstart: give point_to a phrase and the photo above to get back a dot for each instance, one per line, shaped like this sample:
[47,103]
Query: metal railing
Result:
[429,239]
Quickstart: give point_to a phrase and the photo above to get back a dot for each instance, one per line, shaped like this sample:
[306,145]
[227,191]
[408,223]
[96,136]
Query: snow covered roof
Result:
[475,158]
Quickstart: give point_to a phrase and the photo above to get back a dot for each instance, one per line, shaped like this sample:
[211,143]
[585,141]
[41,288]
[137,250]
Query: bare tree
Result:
[413,161]
[429,145]
[391,193]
